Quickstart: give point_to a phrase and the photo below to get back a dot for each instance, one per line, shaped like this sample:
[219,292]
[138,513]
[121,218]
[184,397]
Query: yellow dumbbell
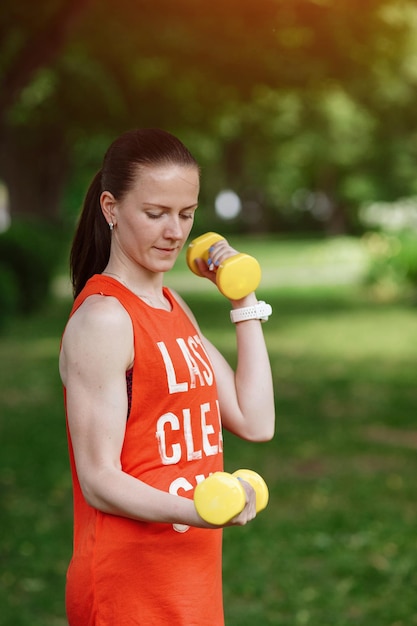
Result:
[236,277]
[221,496]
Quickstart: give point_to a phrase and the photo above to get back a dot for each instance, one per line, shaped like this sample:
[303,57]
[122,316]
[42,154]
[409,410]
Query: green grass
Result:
[337,544]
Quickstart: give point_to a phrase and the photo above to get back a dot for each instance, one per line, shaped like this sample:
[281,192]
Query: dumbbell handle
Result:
[221,496]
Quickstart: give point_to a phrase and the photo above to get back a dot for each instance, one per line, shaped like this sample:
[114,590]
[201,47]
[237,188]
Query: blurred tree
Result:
[32,35]
[33,158]
[282,95]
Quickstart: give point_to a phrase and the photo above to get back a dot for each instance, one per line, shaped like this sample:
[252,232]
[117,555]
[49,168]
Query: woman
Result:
[147,396]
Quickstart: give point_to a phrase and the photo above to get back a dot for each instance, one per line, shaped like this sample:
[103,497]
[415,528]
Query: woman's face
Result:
[153,221]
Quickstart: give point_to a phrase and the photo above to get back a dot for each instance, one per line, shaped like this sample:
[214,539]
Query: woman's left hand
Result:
[218,253]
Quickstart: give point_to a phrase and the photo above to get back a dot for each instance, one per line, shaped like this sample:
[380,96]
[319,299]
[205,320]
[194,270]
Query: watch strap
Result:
[260,311]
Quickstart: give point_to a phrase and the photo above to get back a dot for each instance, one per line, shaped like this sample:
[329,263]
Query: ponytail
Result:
[91,246]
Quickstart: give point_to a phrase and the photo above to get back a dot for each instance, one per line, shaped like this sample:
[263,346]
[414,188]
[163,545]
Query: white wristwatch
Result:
[260,311]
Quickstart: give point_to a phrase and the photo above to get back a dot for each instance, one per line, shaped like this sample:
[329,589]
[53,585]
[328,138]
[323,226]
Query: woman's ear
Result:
[108,203]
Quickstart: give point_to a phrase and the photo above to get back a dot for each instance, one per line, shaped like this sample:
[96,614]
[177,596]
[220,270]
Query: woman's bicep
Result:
[95,355]
[97,417]
[97,412]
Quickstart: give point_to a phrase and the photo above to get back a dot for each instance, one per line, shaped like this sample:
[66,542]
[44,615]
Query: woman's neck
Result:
[151,293]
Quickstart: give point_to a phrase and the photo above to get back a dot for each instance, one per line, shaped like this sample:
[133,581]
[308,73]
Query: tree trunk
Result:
[338,223]
[34,174]
[39,49]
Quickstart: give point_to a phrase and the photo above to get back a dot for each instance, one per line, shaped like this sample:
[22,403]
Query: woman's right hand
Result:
[249,511]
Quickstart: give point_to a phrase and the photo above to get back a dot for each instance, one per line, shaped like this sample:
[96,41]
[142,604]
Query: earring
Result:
[111,226]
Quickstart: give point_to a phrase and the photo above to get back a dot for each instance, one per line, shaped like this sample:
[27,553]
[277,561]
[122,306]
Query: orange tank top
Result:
[124,572]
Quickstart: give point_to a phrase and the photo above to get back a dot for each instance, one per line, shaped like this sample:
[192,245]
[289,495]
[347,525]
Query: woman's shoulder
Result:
[99,331]
[99,314]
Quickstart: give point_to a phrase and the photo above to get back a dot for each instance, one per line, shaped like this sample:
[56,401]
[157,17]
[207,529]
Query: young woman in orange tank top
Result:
[147,397]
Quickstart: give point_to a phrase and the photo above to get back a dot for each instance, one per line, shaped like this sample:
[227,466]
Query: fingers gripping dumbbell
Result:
[221,496]
[236,277]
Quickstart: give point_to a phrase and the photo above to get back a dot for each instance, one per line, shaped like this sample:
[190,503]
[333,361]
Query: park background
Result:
[306,109]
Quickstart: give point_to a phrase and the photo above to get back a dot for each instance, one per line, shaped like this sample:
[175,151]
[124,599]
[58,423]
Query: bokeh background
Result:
[302,114]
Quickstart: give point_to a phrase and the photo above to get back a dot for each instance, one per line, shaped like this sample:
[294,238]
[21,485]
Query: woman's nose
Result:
[173,229]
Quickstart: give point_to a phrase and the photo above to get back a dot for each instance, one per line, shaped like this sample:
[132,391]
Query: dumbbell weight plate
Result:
[238,276]
[219,498]
[258,483]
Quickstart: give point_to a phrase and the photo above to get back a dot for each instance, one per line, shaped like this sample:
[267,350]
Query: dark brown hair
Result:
[134,149]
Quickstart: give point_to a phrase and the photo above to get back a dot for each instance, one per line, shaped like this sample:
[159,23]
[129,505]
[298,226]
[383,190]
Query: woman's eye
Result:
[157,216]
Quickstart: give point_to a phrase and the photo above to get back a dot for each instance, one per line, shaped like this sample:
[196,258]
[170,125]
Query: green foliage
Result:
[393,261]
[273,97]
[30,254]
